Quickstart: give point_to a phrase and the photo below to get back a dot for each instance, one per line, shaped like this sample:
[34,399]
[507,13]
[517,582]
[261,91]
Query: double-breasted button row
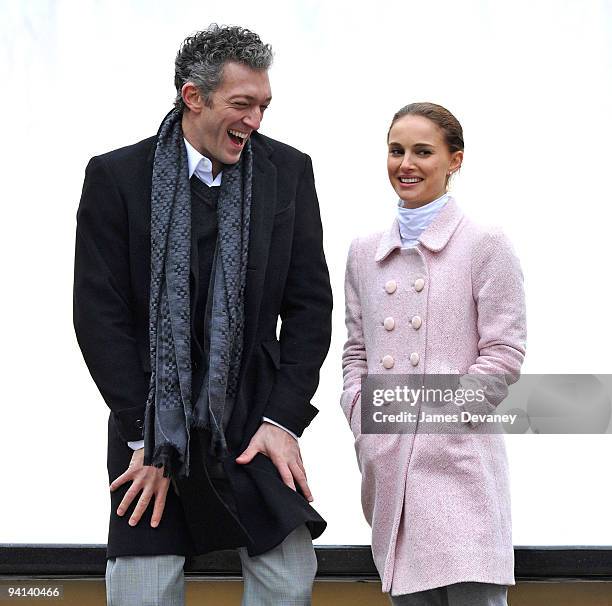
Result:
[389,362]
[415,322]
[391,285]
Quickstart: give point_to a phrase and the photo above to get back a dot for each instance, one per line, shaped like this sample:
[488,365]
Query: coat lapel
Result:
[263,204]
[439,232]
[389,241]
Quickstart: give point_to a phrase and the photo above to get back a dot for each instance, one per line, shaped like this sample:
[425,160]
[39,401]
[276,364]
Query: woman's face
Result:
[419,161]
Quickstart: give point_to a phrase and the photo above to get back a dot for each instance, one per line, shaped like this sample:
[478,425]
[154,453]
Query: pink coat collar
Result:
[435,237]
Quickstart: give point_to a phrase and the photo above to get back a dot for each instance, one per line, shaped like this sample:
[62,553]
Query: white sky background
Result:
[529,80]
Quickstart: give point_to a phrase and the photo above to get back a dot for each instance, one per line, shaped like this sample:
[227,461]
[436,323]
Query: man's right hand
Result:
[149,480]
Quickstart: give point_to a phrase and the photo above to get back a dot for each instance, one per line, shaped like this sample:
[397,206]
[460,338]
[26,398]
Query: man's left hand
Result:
[283,450]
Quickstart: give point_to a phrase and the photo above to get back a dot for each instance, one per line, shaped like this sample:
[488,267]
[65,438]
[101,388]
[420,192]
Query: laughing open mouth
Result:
[237,137]
[409,180]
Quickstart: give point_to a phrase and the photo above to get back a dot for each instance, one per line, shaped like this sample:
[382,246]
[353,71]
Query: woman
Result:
[434,294]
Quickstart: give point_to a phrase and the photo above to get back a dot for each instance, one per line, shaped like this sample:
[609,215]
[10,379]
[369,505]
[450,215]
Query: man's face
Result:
[234,110]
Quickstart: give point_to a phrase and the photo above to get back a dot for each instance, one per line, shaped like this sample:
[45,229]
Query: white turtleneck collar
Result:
[413,221]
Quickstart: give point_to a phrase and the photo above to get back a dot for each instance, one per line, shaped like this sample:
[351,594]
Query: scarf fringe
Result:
[168,456]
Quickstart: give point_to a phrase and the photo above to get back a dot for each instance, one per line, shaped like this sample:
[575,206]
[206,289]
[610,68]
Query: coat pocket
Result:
[355,415]
[284,206]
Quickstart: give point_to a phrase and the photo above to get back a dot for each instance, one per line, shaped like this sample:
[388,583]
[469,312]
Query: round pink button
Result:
[391,286]
[388,362]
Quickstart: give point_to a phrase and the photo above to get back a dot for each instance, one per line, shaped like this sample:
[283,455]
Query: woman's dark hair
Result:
[440,116]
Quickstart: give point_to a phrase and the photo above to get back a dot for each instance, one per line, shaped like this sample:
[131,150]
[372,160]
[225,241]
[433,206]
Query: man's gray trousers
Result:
[283,576]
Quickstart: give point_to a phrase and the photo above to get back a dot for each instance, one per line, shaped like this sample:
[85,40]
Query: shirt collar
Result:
[435,237]
[201,166]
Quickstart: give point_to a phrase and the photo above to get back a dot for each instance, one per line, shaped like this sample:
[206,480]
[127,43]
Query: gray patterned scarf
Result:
[169,415]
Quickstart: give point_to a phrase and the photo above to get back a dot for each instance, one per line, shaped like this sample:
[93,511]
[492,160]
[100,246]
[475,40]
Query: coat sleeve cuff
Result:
[495,387]
[284,408]
[272,422]
[130,423]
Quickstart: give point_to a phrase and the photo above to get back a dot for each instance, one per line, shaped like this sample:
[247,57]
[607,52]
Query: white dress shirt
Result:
[201,166]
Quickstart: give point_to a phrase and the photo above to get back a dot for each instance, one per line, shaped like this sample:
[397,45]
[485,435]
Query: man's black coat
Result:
[287,277]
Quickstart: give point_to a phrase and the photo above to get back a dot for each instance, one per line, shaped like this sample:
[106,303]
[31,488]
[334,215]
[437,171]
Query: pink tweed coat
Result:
[439,505]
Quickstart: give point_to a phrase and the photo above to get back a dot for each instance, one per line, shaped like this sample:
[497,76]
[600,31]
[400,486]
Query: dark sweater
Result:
[203,243]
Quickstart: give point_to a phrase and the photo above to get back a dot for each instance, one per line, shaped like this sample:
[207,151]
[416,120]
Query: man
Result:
[189,247]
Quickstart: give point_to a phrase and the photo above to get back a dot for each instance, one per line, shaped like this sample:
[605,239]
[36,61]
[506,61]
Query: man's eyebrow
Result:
[249,97]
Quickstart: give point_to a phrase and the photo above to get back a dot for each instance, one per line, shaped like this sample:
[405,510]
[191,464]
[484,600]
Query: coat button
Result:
[416,322]
[388,362]
[389,323]
[419,284]
[138,423]
[391,286]
[414,358]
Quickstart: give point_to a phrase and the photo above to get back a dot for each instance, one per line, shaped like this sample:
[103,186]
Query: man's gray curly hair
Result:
[202,56]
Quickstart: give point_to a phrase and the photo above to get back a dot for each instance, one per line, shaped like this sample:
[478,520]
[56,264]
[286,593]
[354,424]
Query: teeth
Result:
[237,133]
[411,180]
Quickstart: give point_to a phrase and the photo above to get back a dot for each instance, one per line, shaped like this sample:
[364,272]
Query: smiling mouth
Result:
[410,180]
[237,137]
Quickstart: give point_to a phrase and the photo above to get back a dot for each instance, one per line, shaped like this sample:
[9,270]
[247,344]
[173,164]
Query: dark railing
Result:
[352,562]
